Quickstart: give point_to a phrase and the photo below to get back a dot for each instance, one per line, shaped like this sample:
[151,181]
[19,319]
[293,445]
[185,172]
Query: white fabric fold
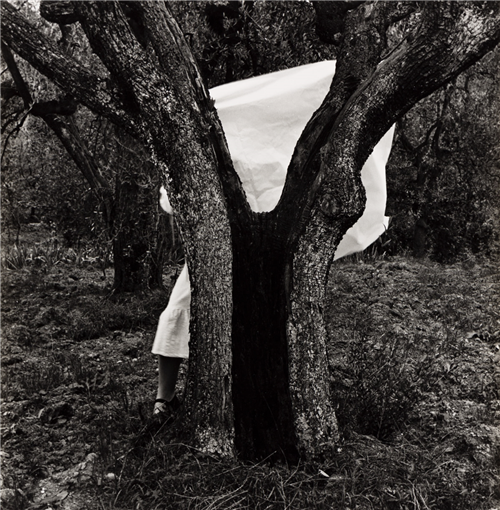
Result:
[172,333]
[263,118]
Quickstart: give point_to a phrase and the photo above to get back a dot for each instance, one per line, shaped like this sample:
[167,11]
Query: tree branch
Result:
[65,130]
[364,43]
[447,42]
[167,86]
[96,92]
[57,11]
[119,50]
[450,37]
[65,106]
[173,52]
[68,134]
[176,58]
[21,87]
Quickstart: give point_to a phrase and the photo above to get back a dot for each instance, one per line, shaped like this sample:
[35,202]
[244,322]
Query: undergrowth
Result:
[380,387]
[48,253]
[415,398]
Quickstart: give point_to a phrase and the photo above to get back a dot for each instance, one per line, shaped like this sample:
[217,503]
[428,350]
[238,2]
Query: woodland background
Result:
[443,176]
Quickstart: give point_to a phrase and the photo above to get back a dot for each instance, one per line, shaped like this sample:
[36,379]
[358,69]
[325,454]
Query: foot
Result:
[164,407]
[163,415]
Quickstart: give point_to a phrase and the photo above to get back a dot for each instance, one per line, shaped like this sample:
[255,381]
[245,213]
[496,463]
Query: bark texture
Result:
[448,38]
[162,110]
[262,404]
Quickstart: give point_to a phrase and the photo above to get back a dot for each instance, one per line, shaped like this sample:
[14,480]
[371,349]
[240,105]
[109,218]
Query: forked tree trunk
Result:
[257,276]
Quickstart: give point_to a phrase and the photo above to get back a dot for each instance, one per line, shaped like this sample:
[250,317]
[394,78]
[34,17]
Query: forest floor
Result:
[414,357]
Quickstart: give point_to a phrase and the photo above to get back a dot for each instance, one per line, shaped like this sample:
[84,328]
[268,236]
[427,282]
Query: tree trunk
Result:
[138,243]
[251,272]
[262,404]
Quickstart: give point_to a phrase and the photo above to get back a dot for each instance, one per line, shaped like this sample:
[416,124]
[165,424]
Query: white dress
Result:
[172,335]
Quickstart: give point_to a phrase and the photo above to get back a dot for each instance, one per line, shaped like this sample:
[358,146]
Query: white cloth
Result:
[172,334]
[165,202]
[263,118]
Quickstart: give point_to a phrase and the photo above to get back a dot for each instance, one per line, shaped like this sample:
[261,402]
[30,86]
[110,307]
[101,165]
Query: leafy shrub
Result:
[15,257]
[47,254]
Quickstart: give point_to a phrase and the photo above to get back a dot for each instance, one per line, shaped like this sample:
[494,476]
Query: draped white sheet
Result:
[263,118]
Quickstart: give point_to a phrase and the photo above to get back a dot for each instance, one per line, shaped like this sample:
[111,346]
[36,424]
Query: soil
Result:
[414,359]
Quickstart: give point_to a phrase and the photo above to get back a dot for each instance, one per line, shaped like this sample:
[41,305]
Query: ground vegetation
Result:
[413,361]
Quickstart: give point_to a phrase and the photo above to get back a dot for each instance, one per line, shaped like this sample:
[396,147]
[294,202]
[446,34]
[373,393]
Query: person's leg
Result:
[168,369]
[171,342]
[166,400]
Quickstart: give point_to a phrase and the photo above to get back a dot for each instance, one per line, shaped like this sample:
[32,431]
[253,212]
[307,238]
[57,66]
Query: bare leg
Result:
[168,369]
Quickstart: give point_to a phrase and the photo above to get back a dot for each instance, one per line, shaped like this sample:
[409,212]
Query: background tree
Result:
[258,335]
[120,175]
[443,174]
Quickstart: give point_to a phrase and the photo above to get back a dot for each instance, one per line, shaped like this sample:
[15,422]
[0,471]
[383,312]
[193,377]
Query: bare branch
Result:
[116,46]
[450,37]
[173,52]
[96,92]
[364,43]
[149,95]
[57,11]
[64,106]
[65,130]
[69,135]
[23,115]
[165,85]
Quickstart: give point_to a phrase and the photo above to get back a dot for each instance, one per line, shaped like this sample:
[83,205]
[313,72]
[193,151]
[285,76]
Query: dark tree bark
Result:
[258,335]
[448,38]
[139,228]
[60,12]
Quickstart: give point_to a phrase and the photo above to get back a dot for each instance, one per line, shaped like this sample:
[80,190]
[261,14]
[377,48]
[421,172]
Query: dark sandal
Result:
[163,406]
[163,414]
